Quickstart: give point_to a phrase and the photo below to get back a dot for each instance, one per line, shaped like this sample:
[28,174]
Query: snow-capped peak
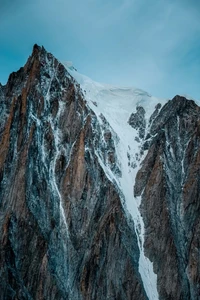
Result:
[116,104]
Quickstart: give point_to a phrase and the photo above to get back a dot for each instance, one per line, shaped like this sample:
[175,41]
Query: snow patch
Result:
[116,104]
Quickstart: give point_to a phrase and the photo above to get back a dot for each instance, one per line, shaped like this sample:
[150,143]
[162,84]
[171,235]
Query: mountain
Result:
[99,189]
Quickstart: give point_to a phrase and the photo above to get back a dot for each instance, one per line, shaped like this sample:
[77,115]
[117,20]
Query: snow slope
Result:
[116,104]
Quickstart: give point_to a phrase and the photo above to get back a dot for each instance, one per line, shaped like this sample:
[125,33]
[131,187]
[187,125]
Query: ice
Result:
[116,104]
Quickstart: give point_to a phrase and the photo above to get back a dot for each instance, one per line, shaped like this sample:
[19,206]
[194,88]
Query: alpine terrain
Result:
[99,189]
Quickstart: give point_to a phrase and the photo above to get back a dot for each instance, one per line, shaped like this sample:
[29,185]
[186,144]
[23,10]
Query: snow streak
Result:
[116,105]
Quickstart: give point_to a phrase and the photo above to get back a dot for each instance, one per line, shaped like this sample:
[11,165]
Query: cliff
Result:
[99,189]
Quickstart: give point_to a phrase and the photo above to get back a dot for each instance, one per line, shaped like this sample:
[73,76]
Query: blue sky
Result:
[153,45]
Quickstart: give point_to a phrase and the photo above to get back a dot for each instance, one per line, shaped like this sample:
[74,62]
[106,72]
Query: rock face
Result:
[65,230]
[169,184]
[137,121]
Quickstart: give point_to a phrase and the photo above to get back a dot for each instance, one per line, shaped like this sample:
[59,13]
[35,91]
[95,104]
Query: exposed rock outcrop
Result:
[137,121]
[169,184]
[63,231]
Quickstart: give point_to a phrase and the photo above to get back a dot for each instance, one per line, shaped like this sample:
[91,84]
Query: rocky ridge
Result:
[64,234]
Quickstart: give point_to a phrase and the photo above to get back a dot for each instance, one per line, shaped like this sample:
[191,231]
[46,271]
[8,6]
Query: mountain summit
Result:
[99,189]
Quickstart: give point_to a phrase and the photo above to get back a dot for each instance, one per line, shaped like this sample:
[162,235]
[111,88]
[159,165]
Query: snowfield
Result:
[116,104]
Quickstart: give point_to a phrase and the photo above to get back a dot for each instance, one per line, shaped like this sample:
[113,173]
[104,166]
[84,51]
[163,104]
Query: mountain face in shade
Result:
[99,189]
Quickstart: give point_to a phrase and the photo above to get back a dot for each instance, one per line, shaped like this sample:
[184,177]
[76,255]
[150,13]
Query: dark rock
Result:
[63,231]
[137,121]
[169,179]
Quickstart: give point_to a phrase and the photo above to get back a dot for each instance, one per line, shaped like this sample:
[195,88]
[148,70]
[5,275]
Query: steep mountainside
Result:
[99,189]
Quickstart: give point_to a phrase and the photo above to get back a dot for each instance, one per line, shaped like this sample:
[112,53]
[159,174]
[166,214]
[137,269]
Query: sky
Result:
[153,45]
